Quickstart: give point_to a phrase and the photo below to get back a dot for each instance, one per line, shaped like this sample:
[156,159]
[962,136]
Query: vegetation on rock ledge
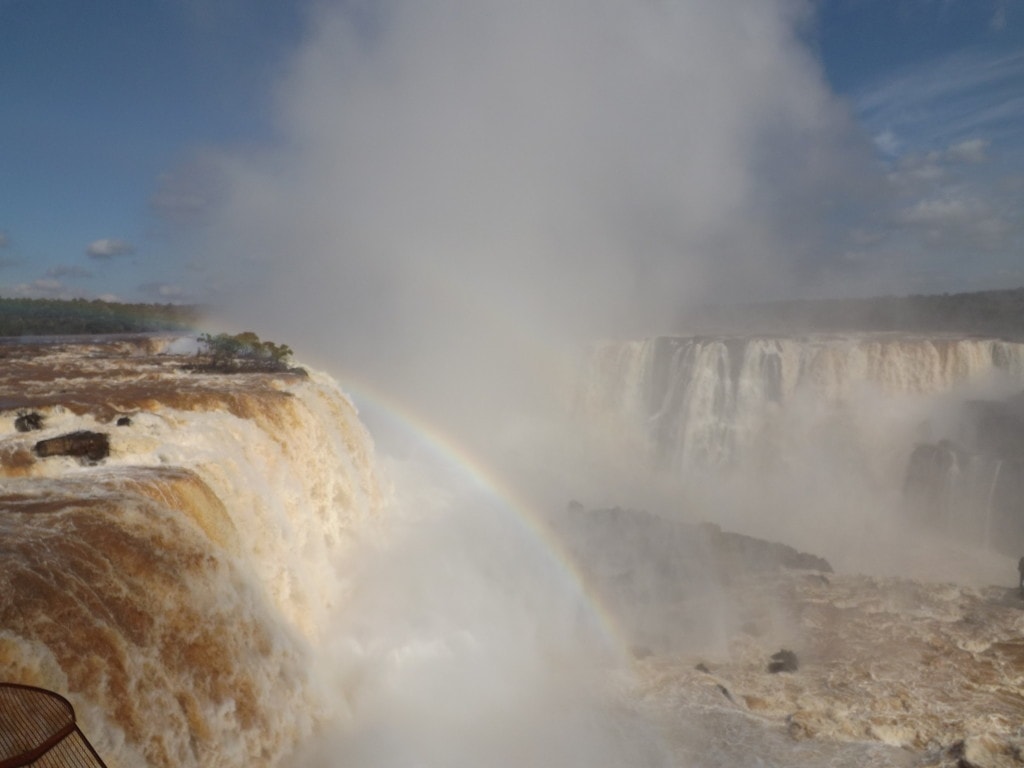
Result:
[245,351]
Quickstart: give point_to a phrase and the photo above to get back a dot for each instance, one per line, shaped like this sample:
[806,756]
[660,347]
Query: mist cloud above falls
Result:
[460,188]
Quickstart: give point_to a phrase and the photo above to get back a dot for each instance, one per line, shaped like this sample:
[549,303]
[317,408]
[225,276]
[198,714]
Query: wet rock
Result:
[983,751]
[739,553]
[28,422]
[995,427]
[929,476]
[654,570]
[84,444]
[803,725]
[975,476]
[783,661]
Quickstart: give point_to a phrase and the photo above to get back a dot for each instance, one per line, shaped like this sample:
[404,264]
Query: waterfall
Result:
[711,402]
[175,590]
[825,432]
[990,506]
[212,593]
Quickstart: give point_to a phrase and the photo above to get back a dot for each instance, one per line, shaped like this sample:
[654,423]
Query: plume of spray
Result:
[461,190]
[460,194]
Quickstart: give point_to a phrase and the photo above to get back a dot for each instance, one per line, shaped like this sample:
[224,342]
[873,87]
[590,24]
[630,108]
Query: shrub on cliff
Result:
[243,352]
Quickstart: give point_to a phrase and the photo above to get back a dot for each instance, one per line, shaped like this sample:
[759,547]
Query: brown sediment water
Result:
[172,590]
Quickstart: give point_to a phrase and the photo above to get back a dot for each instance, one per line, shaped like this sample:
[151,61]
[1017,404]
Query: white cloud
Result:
[108,248]
[68,270]
[164,291]
[916,170]
[968,151]
[43,288]
[998,20]
[960,222]
[887,143]
[972,95]
[951,215]
[928,171]
[939,211]
[52,288]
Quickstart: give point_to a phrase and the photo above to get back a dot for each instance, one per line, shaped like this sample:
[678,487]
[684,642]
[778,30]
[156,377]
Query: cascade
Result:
[858,422]
[177,591]
[972,475]
[990,498]
[708,402]
[174,590]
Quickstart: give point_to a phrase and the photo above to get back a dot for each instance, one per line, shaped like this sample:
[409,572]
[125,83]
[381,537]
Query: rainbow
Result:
[448,452]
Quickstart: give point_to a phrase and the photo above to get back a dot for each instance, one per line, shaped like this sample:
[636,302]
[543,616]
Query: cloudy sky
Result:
[647,153]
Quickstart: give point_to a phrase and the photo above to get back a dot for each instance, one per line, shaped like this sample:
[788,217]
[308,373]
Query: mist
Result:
[460,197]
[464,643]
[462,193]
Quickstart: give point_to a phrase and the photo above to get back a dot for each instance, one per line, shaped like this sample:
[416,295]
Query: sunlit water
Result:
[244,582]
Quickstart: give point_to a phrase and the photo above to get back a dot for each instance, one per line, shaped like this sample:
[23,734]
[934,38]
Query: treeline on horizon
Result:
[65,317]
[995,313]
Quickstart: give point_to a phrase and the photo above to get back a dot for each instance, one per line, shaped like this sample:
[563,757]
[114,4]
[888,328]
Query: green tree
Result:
[245,351]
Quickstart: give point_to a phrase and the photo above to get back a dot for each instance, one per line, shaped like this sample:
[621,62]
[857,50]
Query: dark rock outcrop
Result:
[929,476]
[654,573]
[124,421]
[783,661]
[746,553]
[86,445]
[972,482]
[995,427]
[28,422]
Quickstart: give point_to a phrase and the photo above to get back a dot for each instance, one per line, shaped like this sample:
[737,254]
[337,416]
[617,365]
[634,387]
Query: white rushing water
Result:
[177,590]
[807,437]
[706,402]
[243,581]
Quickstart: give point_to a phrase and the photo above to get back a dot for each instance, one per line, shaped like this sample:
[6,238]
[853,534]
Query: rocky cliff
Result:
[173,584]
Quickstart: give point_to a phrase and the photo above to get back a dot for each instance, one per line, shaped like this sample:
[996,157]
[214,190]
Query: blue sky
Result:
[112,109]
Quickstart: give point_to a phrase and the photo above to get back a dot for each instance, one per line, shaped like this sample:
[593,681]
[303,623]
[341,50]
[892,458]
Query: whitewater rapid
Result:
[176,589]
[244,581]
[807,437]
[705,402]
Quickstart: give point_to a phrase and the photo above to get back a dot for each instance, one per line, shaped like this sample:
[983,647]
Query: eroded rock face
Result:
[996,427]
[92,446]
[746,553]
[659,577]
[783,661]
[972,483]
[28,422]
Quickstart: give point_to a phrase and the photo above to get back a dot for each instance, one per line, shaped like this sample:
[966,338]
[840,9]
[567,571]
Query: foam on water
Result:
[231,586]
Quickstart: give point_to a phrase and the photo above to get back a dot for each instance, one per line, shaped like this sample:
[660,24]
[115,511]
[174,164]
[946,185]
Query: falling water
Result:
[242,581]
[176,589]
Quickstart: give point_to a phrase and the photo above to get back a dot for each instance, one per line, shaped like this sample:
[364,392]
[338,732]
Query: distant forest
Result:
[52,317]
[996,314]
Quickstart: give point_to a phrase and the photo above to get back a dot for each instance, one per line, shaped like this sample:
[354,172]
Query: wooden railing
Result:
[37,728]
